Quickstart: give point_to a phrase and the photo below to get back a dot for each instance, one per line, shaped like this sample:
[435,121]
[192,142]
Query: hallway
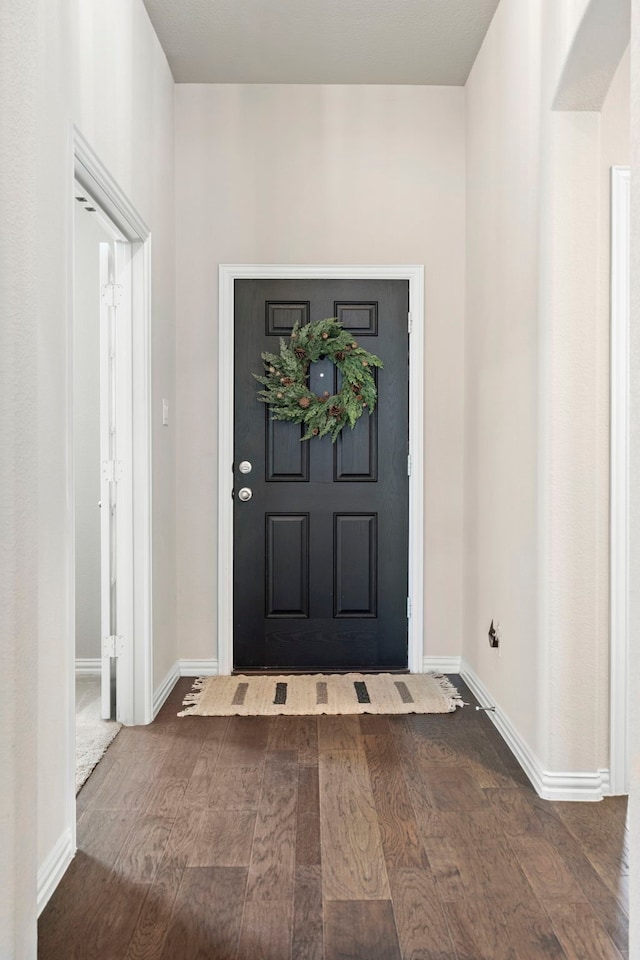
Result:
[372,838]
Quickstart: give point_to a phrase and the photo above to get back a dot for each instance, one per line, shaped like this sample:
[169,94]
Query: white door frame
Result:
[228,273]
[134,667]
[619,546]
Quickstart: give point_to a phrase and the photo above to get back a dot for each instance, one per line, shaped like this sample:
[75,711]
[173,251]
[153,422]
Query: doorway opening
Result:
[109,423]
[96,242]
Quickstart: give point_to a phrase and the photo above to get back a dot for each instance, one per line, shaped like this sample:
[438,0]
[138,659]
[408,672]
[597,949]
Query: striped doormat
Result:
[314,694]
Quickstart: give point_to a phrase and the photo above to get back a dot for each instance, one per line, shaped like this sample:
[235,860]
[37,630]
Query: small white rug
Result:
[92,739]
[316,694]
[93,735]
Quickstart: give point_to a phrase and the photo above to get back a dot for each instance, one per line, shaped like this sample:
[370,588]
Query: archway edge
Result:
[599,43]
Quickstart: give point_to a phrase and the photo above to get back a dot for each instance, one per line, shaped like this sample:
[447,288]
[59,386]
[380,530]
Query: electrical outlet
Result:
[494,635]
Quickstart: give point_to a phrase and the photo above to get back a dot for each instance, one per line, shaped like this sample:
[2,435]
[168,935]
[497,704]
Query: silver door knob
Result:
[245,494]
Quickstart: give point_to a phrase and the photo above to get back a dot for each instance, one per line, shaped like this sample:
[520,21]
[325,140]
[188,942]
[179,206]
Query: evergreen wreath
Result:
[286,379]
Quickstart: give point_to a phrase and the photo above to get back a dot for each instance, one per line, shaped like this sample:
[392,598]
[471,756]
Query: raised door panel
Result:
[282,315]
[355,590]
[356,451]
[360,317]
[287,459]
[287,565]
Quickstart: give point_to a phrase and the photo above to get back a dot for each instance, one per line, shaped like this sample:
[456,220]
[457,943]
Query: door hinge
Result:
[112,294]
[409,323]
[112,646]
[112,470]
[408,464]
[408,608]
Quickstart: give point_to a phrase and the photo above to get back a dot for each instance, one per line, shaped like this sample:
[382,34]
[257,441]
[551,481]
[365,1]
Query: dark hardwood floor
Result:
[333,838]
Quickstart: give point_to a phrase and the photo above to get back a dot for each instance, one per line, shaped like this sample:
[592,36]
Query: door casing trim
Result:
[619,479]
[228,273]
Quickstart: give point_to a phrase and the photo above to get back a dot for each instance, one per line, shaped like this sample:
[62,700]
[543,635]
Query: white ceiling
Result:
[321,41]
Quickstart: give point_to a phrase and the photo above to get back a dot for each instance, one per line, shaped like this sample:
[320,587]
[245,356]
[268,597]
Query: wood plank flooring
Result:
[333,838]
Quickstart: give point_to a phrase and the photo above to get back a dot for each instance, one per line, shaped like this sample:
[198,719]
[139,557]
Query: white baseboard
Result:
[605,779]
[588,787]
[441,664]
[548,784]
[198,668]
[182,668]
[165,688]
[88,665]
[53,869]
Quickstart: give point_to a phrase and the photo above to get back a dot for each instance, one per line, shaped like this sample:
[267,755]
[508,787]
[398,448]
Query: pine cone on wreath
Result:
[300,352]
[335,410]
[304,402]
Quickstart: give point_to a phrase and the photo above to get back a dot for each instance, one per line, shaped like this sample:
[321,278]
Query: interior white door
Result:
[122,598]
[108,476]
[116,451]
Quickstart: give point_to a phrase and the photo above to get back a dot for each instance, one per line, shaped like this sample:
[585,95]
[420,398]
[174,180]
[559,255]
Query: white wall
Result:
[312,174]
[536,405]
[574,421]
[88,234]
[18,478]
[102,69]
[99,66]
[634,493]
[501,361]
